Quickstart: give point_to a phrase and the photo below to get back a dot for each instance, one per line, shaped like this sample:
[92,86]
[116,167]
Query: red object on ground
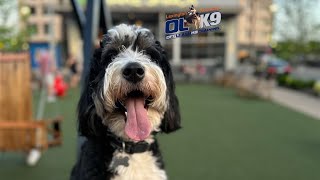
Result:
[60,87]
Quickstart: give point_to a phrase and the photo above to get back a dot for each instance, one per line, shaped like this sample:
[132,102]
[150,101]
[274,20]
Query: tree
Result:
[5,10]
[10,38]
[296,20]
[296,26]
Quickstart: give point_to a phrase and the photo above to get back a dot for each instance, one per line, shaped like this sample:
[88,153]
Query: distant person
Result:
[47,70]
[73,65]
[201,69]
[188,72]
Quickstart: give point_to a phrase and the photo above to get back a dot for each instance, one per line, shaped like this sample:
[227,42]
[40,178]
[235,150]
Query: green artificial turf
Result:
[224,137]
[56,163]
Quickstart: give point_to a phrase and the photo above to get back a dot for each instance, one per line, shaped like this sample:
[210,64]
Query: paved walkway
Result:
[301,102]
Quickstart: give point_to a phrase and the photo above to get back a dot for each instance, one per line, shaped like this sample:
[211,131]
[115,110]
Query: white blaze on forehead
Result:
[130,55]
[123,31]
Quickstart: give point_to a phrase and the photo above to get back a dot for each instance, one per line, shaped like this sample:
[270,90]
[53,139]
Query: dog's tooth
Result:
[126,114]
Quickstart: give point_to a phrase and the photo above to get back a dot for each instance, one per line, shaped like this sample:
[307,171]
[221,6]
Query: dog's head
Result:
[191,7]
[192,10]
[129,89]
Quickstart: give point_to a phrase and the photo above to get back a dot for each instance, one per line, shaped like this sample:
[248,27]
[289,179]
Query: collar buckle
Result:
[123,149]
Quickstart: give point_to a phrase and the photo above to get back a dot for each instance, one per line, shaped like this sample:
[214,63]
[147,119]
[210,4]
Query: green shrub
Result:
[316,87]
[281,79]
[291,82]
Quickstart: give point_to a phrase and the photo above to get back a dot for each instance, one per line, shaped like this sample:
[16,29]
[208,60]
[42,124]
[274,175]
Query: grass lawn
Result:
[224,137]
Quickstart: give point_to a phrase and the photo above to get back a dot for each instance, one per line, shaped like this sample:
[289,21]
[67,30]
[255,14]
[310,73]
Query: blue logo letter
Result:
[175,23]
[181,25]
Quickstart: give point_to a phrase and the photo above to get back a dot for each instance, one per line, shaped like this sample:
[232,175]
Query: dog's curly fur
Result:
[101,120]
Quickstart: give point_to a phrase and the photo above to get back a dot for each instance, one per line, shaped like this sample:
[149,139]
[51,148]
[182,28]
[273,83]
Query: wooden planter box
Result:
[18,131]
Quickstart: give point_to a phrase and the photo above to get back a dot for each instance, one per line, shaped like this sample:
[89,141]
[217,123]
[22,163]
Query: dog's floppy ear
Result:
[90,124]
[172,118]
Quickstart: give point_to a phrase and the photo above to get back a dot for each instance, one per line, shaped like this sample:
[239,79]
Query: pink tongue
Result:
[138,126]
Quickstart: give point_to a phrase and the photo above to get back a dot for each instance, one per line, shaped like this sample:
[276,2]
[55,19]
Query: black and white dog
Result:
[128,97]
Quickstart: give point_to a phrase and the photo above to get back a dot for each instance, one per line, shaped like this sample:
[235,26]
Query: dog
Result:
[192,18]
[127,98]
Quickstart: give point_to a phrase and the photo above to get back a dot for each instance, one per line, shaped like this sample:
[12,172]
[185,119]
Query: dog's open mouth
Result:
[135,104]
[121,103]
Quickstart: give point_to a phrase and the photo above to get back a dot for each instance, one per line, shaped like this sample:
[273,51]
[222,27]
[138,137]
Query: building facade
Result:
[45,24]
[254,26]
[206,48]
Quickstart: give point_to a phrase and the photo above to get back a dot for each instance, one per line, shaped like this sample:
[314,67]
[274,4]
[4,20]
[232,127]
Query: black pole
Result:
[90,33]
[97,15]
[90,30]
[80,17]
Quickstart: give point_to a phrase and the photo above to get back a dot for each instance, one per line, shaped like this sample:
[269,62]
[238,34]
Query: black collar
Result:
[128,147]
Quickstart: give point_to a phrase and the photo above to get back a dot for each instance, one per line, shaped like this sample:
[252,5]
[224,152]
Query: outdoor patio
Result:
[224,137]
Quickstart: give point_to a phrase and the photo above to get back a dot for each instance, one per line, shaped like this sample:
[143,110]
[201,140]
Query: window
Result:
[219,34]
[47,28]
[187,52]
[249,34]
[202,50]
[32,10]
[203,35]
[47,10]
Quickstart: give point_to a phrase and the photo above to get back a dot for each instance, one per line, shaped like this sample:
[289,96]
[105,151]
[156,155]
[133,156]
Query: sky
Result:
[13,17]
[280,17]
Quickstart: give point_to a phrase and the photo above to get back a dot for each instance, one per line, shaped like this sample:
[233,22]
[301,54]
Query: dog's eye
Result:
[108,56]
[154,54]
[112,53]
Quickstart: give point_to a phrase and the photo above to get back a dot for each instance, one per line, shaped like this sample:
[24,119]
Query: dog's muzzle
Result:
[138,126]
[133,72]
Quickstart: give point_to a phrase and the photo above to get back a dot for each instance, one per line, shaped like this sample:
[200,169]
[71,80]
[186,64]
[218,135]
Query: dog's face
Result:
[129,89]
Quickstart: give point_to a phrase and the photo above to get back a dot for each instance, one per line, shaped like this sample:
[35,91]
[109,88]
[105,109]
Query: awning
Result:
[229,6]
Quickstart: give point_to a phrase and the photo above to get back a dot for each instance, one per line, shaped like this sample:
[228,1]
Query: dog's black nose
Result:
[133,72]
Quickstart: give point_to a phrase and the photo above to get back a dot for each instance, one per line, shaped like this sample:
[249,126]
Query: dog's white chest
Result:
[139,166]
